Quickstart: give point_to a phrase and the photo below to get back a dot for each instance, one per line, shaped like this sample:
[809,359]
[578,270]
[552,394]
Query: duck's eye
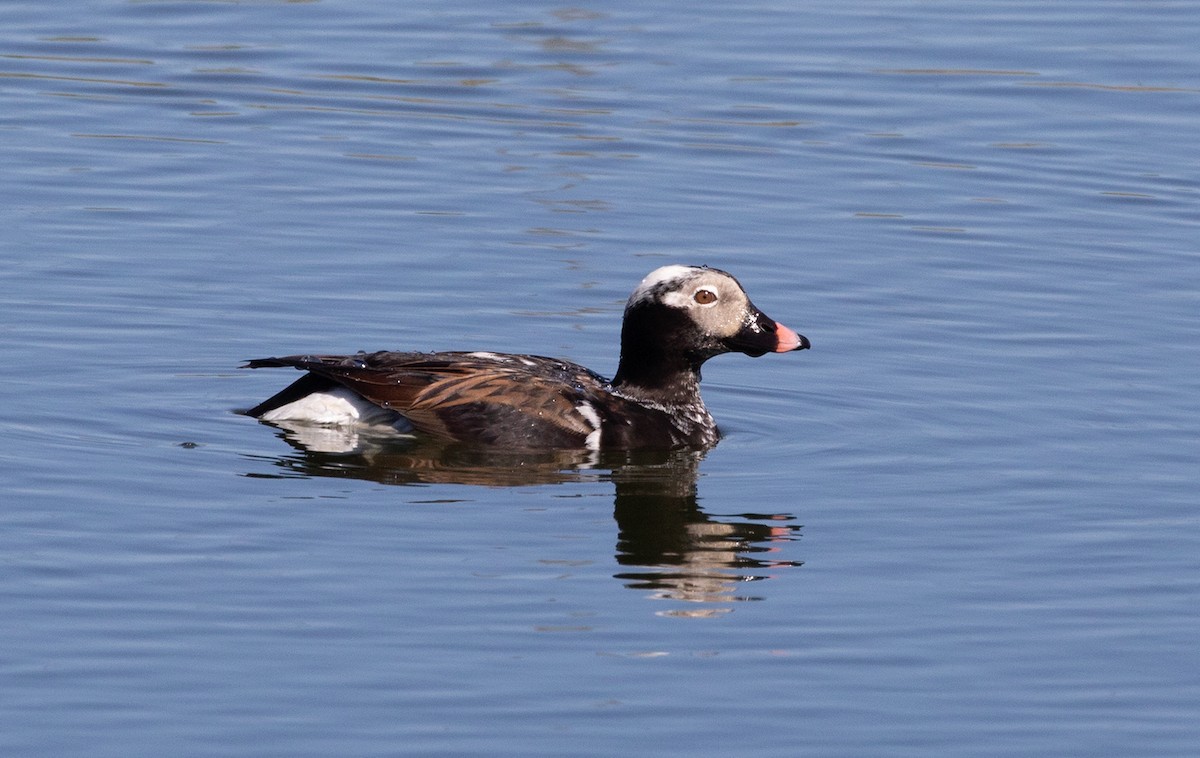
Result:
[704,297]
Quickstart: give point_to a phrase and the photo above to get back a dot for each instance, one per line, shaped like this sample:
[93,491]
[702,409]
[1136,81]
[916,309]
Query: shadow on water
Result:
[666,543]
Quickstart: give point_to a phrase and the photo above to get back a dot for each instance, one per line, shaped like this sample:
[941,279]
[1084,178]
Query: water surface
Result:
[964,523]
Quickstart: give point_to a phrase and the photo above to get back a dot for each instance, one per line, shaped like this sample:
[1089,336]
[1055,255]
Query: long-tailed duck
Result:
[675,320]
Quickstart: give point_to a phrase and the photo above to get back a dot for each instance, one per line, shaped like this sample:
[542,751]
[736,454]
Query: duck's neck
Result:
[654,366]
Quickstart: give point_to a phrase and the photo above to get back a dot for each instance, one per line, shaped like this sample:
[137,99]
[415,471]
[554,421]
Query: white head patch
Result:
[712,298]
[666,279]
[659,280]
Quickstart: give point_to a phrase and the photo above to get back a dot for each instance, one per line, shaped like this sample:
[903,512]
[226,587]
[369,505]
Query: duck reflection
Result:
[682,552]
[666,543]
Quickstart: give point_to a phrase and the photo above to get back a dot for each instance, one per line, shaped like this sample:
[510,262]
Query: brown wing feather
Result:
[465,395]
[535,396]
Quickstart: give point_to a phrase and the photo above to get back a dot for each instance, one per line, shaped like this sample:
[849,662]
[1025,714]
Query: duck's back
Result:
[489,398]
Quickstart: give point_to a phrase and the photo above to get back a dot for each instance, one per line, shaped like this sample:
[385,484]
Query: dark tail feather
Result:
[297,361]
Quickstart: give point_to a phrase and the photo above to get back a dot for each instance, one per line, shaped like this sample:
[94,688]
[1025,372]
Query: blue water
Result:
[964,524]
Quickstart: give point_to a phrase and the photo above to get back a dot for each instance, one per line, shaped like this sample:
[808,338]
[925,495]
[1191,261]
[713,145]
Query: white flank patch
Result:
[588,411]
[337,407]
[487,356]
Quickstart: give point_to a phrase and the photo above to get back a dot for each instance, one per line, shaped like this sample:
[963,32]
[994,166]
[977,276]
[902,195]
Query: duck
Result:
[676,318]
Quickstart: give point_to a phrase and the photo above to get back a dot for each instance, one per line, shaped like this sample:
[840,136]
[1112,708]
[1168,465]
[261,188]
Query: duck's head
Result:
[705,312]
